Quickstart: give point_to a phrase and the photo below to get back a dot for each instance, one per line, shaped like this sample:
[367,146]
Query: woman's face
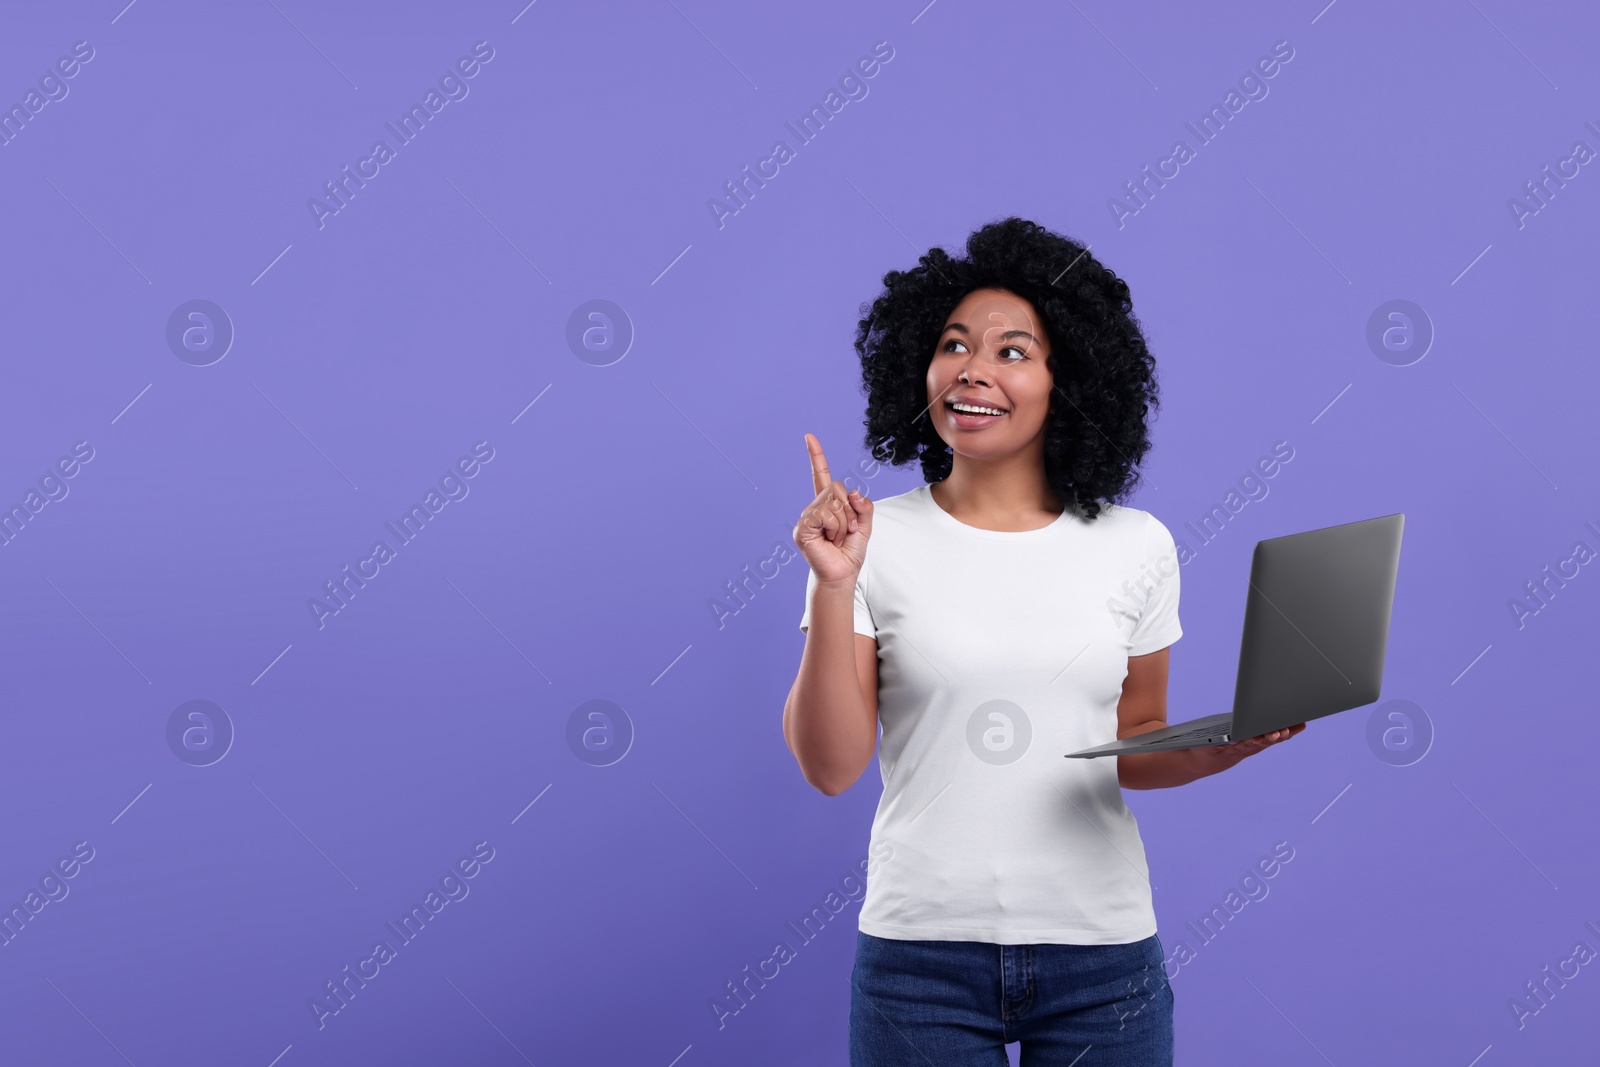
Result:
[996,341]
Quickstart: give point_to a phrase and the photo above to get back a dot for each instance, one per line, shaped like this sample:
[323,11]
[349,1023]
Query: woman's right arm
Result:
[830,720]
[831,717]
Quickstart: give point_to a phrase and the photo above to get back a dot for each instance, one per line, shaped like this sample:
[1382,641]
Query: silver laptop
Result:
[1316,627]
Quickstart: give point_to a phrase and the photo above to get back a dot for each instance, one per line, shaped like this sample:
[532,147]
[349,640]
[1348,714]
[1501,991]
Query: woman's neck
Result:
[998,500]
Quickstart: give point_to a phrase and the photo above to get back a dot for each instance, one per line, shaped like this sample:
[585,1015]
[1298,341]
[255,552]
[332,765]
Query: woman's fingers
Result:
[840,509]
[835,507]
[820,478]
[834,514]
[1249,746]
[819,517]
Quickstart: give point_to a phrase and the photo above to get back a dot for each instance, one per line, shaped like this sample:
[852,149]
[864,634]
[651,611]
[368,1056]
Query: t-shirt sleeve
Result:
[1157,626]
[863,614]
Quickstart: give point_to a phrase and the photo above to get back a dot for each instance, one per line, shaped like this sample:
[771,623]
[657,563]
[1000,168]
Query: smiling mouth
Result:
[971,420]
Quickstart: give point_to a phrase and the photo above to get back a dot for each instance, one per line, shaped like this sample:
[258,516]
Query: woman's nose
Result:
[976,368]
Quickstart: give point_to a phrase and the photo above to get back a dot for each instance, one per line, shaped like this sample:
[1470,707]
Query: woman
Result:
[1011,611]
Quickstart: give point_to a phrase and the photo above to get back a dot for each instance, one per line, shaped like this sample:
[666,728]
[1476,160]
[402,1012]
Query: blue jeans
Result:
[959,1003]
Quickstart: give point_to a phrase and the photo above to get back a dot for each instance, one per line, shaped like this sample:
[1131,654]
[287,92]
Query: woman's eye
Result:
[950,346]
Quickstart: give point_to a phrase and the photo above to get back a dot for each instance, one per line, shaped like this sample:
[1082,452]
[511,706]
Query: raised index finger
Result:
[820,479]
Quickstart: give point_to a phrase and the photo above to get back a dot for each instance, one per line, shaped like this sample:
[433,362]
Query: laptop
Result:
[1316,627]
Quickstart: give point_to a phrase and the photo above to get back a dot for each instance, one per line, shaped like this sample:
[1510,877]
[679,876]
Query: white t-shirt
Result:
[998,653]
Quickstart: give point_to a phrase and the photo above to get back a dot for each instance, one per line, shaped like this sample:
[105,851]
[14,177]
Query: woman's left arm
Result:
[1143,708]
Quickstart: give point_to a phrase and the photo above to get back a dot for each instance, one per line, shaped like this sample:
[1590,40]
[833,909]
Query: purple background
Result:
[432,312]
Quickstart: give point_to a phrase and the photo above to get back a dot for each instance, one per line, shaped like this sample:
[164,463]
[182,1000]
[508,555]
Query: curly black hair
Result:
[1093,443]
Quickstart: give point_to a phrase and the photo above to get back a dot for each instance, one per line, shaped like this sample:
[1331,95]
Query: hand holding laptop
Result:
[1316,630]
[1224,756]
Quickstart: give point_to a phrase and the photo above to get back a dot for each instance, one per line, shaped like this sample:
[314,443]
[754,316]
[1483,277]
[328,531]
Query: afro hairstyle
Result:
[1094,442]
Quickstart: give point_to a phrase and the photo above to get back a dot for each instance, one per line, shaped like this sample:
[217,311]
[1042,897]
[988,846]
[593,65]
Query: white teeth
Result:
[972,409]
